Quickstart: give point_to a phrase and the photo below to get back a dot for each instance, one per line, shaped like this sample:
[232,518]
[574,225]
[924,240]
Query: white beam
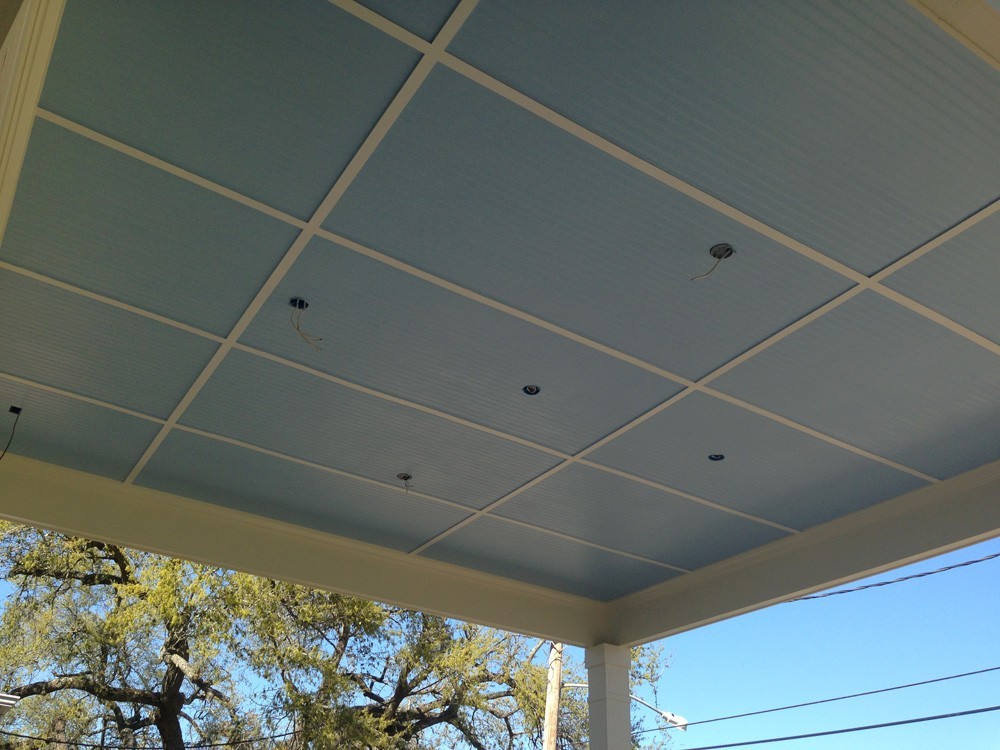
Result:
[24,60]
[920,524]
[974,23]
[53,497]
[608,699]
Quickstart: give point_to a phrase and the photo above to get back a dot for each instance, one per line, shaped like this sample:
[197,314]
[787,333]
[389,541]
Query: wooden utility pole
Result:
[550,729]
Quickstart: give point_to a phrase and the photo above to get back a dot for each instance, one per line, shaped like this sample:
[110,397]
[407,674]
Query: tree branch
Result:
[87,684]
[192,675]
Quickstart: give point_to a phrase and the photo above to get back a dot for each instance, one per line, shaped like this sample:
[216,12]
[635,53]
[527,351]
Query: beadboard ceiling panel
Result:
[471,198]
[426,344]
[271,100]
[857,128]
[250,481]
[548,224]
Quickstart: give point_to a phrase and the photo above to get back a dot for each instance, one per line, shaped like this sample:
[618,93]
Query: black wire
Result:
[11,438]
[896,580]
[232,743]
[828,700]
[850,729]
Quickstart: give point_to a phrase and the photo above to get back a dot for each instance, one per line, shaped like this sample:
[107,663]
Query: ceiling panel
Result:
[69,432]
[269,99]
[886,379]
[424,18]
[386,329]
[62,339]
[960,278]
[298,414]
[485,194]
[769,470]
[253,482]
[111,224]
[502,548]
[591,504]
[483,245]
[857,128]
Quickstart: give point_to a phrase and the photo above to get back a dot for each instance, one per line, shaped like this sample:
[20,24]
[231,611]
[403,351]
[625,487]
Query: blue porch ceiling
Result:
[526,204]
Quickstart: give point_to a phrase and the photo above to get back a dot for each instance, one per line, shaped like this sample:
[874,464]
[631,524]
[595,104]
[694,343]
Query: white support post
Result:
[608,700]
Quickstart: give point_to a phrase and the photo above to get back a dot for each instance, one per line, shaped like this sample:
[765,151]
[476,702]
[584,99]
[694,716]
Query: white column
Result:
[608,699]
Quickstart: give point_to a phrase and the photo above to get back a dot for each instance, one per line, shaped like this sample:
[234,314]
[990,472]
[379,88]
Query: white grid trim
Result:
[434,53]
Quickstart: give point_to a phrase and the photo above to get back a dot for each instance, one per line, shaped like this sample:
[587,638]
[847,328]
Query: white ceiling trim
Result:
[980,215]
[24,61]
[941,320]
[925,522]
[400,401]
[920,524]
[371,142]
[588,543]
[386,26]
[435,52]
[74,502]
[79,397]
[110,301]
[816,434]
[500,306]
[409,491]
[691,386]
[556,469]
[416,493]
[11,156]
[660,175]
[974,23]
[687,496]
[165,166]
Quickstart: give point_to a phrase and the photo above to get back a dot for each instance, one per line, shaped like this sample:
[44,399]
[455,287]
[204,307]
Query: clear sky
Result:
[801,651]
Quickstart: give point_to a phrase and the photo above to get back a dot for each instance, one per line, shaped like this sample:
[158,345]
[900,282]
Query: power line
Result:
[850,729]
[201,746]
[830,700]
[896,580]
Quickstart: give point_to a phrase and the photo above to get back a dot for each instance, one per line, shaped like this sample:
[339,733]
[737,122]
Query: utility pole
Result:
[550,728]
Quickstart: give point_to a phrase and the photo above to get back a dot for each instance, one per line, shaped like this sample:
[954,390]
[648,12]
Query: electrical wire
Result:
[926,573]
[830,700]
[296,319]
[17,416]
[202,746]
[709,271]
[846,730]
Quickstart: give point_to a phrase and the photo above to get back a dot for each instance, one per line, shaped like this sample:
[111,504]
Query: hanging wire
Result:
[296,319]
[709,271]
[926,573]
[17,416]
[846,730]
[199,746]
[720,252]
[830,700]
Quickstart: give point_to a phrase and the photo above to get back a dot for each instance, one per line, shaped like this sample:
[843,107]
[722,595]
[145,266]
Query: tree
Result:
[360,674]
[133,649]
[134,636]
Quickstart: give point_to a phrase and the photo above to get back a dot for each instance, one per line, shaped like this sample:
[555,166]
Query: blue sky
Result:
[801,651]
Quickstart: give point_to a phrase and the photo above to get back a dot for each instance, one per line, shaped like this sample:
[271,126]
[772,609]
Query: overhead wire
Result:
[847,730]
[103,746]
[878,584]
[829,700]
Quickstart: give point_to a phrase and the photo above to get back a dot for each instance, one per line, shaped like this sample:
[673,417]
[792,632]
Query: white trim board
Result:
[74,502]
[922,523]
